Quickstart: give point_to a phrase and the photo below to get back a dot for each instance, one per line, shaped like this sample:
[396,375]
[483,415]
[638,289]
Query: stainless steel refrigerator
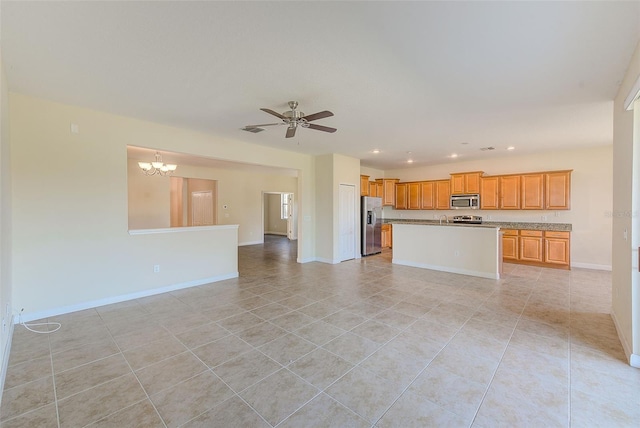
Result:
[371,225]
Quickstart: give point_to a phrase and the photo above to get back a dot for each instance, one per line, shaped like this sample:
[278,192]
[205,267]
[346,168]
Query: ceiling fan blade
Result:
[264,124]
[319,115]
[321,128]
[291,131]
[276,114]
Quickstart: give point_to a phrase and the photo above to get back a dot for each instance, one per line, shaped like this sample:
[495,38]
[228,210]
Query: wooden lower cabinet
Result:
[510,245]
[386,236]
[538,248]
[531,246]
[557,248]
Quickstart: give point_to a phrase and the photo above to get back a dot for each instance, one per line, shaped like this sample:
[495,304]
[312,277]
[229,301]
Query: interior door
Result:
[347,218]
[291,219]
[202,208]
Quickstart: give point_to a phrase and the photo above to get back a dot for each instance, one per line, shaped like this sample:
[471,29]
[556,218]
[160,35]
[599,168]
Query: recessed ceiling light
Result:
[453,155]
[410,161]
[511,148]
[376,151]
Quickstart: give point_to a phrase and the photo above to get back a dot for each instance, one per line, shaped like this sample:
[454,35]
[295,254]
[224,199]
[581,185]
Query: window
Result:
[284,206]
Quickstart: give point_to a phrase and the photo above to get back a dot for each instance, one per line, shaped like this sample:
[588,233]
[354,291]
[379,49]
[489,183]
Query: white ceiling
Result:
[420,77]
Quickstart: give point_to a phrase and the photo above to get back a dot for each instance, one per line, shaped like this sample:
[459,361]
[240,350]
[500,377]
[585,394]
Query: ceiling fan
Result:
[294,118]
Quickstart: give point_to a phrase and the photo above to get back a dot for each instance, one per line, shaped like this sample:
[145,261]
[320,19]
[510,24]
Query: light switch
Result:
[75,129]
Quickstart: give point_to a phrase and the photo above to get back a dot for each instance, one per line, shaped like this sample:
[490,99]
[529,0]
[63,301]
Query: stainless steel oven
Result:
[469,202]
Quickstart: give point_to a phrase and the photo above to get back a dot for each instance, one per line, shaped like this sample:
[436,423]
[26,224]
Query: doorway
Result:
[279,214]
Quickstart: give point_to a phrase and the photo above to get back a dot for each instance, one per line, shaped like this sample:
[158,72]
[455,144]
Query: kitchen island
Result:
[451,247]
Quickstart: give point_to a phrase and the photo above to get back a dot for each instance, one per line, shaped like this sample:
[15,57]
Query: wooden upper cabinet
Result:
[465,183]
[401,196]
[443,197]
[364,185]
[532,192]
[427,195]
[373,189]
[413,195]
[557,190]
[509,190]
[388,190]
[489,193]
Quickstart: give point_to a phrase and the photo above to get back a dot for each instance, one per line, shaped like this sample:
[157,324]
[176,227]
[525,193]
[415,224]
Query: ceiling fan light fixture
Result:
[293,118]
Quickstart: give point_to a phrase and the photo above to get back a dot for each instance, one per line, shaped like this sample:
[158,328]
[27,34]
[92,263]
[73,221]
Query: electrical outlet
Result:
[156,268]
[456,253]
[544,218]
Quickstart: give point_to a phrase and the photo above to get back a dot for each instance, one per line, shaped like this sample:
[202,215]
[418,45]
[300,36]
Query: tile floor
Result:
[359,344]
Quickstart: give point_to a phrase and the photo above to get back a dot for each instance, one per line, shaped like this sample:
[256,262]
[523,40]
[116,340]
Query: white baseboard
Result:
[242,244]
[446,269]
[5,358]
[275,233]
[633,359]
[591,266]
[26,317]
[306,260]
[329,261]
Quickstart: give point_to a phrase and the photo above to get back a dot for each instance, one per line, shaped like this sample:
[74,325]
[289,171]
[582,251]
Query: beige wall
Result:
[324,206]
[331,171]
[626,205]
[591,200]
[5,227]
[71,243]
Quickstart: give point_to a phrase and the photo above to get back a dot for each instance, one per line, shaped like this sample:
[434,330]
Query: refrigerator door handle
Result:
[374,217]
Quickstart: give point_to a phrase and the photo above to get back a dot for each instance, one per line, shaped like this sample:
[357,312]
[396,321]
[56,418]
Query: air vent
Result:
[253,130]
[484,149]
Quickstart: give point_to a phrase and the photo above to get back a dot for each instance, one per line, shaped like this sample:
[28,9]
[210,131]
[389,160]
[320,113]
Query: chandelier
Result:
[157,167]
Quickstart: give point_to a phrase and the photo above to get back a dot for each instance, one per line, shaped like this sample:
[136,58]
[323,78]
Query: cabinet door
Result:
[364,185]
[457,184]
[389,191]
[413,200]
[373,189]
[379,189]
[427,195]
[531,248]
[556,251]
[401,196]
[509,191]
[472,183]
[443,198]
[532,192]
[489,193]
[509,247]
[558,190]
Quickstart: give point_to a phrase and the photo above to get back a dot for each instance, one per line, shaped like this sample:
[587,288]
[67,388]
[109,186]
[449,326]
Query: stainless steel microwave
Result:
[469,202]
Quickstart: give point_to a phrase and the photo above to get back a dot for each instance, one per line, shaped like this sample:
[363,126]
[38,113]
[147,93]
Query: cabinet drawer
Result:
[554,234]
[510,232]
[537,233]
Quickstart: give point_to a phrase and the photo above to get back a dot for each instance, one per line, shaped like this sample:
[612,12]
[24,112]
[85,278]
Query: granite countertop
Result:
[556,227]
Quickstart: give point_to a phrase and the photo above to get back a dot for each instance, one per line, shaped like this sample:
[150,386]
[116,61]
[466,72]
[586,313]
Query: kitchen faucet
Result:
[445,217]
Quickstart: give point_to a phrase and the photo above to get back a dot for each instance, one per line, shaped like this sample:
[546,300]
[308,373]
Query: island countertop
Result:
[556,227]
